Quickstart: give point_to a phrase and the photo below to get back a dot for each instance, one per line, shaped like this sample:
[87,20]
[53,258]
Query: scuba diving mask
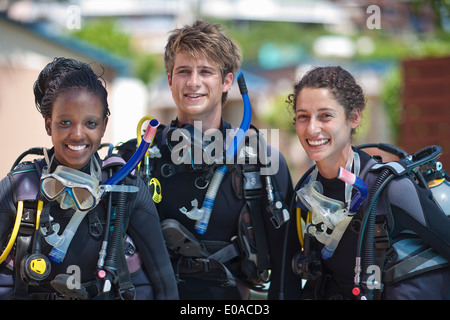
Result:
[326,212]
[73,188]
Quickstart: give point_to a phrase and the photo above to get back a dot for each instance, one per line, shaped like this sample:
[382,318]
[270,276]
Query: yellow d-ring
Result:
[157,194]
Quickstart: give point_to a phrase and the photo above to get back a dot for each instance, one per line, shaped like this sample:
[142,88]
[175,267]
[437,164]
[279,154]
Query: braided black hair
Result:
[62,74]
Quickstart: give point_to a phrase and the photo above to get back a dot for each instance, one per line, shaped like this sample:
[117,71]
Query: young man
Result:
[201,62]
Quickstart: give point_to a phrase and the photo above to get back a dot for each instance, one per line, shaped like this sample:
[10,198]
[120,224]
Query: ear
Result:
[228,82]
[169,81]
[355,118]
[48,126]
[105,123]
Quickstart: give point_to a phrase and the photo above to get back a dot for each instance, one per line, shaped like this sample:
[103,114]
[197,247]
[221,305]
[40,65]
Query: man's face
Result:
[197,89]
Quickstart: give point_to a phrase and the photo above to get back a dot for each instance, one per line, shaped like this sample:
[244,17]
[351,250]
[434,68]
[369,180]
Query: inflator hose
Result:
[14,233]
[368,222]
[111,257]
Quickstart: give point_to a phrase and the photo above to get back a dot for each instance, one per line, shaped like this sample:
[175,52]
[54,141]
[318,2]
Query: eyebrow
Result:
[198,67]
[319,110]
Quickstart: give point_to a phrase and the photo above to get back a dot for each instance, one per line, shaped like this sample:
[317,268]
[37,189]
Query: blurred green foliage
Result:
[252,35]
[391,97]
[107,34]
[280,115]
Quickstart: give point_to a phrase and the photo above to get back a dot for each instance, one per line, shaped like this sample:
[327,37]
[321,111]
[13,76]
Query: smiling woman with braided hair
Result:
[73,102]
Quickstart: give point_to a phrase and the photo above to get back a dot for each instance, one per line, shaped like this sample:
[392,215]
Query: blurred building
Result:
[149,21]
[24,51]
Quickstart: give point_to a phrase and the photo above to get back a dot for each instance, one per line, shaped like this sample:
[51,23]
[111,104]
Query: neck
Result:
[212,121]
[329,168]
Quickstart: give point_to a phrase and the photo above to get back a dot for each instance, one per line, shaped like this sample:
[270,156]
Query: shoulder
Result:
[25,180]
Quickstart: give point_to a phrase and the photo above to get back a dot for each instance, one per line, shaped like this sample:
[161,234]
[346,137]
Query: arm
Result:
[145,230]
[7,210]
[283,242]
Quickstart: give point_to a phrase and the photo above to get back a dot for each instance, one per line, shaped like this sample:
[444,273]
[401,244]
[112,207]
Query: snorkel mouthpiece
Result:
[334,238]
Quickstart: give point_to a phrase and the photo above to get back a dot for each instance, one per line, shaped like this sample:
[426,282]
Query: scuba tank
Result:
[430,173]
[427,173]
[439,183]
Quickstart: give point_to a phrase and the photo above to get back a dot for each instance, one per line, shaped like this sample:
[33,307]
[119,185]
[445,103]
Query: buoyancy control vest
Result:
[389,252]
[244,259]
[31,267]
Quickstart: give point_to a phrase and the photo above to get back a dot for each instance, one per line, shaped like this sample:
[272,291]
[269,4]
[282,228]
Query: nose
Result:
[194,80]
[77,132]
[313,126]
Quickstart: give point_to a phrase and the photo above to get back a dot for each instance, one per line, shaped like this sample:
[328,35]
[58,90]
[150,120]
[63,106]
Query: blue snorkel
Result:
[106,264]
[246,119]
[357,183]
[137,156]
[203,214]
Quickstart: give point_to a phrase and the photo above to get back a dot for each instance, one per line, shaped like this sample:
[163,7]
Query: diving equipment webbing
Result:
[25,183]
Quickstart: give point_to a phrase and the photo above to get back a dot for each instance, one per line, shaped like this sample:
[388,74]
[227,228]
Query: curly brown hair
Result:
[62,74]
[338,81]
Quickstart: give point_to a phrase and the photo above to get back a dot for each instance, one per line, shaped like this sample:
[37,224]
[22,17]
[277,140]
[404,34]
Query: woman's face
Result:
[76,126]
[323,128]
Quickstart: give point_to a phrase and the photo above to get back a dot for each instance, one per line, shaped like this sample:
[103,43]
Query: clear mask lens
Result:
[83,197]
[52,188]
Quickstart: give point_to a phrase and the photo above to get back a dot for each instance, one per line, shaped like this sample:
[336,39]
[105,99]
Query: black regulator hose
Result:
[37,151]
[366,233]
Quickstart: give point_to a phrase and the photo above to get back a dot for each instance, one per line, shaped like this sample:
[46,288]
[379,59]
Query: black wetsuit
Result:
[155,279]
[400,205]
[180,189]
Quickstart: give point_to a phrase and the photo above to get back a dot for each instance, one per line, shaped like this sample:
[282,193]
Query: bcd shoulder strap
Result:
[25,186]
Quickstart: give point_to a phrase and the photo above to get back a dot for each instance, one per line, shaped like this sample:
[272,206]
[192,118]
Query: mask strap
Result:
[96,170]
[48,161]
